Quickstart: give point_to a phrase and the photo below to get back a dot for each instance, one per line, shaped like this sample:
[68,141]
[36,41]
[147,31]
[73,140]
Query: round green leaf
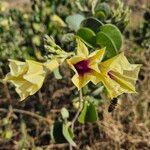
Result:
[111,38]
[87,35]
[92,23]
[74,21]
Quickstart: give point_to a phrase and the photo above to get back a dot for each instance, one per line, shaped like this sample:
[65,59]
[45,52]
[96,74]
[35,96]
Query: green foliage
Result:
[108,36]
[82,116]
[68,134]
[87,35]
[92,23]
[102,11]
[74,21]
[88,113]
[61,130]
[111,38]
[56,132]
[91,115]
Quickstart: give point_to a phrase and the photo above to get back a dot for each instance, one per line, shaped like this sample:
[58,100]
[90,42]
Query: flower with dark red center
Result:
[85,65]
[118,75]
[82,67]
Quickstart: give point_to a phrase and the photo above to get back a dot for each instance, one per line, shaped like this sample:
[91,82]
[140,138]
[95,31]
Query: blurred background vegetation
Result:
[26,125]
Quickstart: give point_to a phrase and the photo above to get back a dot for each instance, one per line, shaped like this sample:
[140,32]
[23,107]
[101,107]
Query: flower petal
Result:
[97,56]
[81,81]
[76,81]
[51,65]
[25,90]
[82,49]
[36,73]
[112,87]
[17,67]
[119,64]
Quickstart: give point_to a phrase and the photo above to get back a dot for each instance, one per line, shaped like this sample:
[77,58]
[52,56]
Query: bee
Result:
[113,105]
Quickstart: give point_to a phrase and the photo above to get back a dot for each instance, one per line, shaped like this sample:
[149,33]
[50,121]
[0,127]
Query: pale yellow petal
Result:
[35,79]
[82,49]
[22,94]
[17,81]
[125,82]
[80,81]
[96,56]
[94,77]
[35,67]
[112,87]
[51,65]
[17,67]
[118,85]
[76,81]
[119,64]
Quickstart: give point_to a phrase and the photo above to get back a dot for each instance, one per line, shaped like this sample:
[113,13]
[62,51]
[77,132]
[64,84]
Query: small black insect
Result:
[112,105]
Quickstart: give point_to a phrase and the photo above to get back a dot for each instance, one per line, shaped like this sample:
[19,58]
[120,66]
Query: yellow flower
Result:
[85,65]
[118,75]
[28,77]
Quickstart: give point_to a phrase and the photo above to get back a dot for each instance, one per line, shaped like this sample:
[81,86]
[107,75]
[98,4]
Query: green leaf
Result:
[82,116]
[111,38]
[56,132]
[91,114]
[92,23]
[74,21]
[57,73]
[68,134]
[103,7]
[64,113]
[100,15]
[87,35]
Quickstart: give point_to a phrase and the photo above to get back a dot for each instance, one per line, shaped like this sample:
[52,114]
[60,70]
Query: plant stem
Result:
[78,112]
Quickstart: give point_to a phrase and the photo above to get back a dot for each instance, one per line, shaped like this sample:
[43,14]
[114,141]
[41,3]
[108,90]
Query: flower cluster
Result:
[117,74]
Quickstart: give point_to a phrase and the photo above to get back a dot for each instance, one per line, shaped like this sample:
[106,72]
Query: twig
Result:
[77,114]
[52,146]
[27,113]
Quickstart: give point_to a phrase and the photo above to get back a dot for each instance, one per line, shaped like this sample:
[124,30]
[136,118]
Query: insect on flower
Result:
[113,104]
[85,65]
